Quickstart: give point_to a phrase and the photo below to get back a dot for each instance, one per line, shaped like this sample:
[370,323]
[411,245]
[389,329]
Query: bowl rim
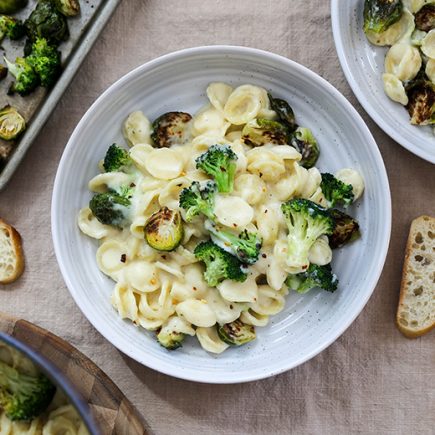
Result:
[224,50]
[56,375]
[359,91]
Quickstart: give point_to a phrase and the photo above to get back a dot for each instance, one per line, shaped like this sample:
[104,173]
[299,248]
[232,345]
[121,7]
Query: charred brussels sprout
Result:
[11,6]
[45,60]
[47,22]
[236,333]
[304,141]
[170,340]
[3,72]
[111,208]
[171,128]
[425,18]
[421,102]
[26,78]
[69,8]
[284,111]
[12,124]
[263,131]
[346,229]
[381,14]
[11,27]
[164,230]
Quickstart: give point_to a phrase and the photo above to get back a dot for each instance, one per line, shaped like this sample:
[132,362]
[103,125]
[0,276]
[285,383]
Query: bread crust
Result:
[18,252]
[407,331]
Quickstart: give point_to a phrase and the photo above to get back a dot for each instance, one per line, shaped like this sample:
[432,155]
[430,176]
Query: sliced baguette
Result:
[416,310]
[11,254]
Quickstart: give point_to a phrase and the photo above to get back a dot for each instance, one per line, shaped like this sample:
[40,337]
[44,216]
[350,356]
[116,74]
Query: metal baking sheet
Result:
[37,107]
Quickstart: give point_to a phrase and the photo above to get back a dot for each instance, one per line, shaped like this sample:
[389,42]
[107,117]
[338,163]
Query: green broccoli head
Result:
[335,191]
[11,6]
[220,265]
[24,397]
[45,60]
[26,78]
[245,246]
[117,159]
[11,27]
[112,208]
[315,276]
[220,163]
[381,14]
[198,199]
[306,222]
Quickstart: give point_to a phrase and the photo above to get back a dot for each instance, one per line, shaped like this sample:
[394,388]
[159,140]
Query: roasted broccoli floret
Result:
[11,6]
[303,140]
[346,229]
[12,124]
[47,22]
[220,265]
[381,14]
[164,230]
[284,111]
[315,276]
[45,60]
[169,339]
[112,208]
[69,8]
[171,128]
[23,397]
[263,131]
[236,333]
[306,222]
[245,246]
[335,191]
[219,161]
[26,78]
[11,27]
[117,159]
[421,104]
[198,199]
[425,18]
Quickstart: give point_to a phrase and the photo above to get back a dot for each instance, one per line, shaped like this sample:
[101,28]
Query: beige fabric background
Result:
[370,381]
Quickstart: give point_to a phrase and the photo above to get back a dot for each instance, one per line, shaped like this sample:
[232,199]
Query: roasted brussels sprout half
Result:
[3,72]
[171,128]
[11,6]
[11,27]
[164,230]
[12,124]
[47,22]
[304,141]
[284,111]
[421,101]
[425,18]
[346,229]
[26,78]
[236,333]
[381,14]
[69,8]
[263,131]
[170,340]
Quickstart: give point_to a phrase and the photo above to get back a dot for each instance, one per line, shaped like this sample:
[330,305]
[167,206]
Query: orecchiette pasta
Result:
[168,291]
[403,61]
[394,88]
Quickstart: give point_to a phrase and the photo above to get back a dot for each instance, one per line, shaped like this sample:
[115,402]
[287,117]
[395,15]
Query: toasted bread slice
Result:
[416,310]
[11,254]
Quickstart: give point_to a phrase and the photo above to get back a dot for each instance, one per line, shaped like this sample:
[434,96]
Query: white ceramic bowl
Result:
[177,81]
[363,66]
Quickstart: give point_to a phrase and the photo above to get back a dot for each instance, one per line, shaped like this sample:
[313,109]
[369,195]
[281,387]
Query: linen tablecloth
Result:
[371,380]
